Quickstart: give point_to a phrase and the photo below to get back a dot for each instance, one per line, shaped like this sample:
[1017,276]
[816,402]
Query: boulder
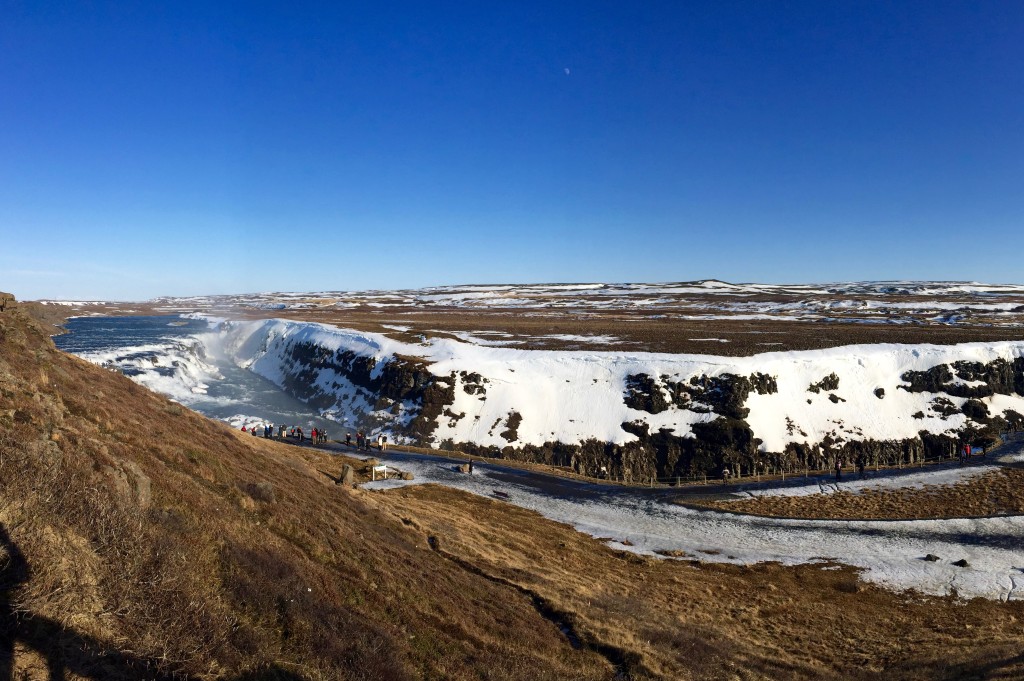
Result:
[262,491]
[347,476]
[141,483]
[406,475]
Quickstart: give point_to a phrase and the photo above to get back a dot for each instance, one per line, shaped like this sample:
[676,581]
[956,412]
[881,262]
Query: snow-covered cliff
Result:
[642,414]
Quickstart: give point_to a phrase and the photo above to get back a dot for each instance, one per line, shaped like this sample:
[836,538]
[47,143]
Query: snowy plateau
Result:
[594,409]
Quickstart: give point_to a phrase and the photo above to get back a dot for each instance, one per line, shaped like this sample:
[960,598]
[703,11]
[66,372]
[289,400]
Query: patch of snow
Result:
[574,338]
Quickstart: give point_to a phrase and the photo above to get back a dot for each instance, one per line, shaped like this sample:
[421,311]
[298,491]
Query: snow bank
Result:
[573,396]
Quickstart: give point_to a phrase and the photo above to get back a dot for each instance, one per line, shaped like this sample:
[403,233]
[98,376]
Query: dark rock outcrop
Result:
[511,432]
[996,377]
[944,408]
[643,394]
[400,383]
[975,410]
[723,394]
[473,383]
[827,384]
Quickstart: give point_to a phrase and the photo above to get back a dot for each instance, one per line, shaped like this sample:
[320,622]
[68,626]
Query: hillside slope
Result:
[141,539]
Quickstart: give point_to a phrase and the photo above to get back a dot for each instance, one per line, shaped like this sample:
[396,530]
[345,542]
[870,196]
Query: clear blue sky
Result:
[204,147]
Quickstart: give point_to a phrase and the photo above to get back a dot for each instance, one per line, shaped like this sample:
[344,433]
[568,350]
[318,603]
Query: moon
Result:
[567,72]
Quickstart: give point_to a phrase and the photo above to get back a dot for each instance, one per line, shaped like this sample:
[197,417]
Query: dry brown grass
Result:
[683,620]
[143,537]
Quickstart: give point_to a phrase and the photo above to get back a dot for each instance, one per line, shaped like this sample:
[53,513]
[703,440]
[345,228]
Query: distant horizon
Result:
[192,148]
[90,299]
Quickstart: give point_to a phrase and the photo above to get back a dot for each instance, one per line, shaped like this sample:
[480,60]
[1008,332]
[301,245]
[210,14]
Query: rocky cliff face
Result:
[728,442]
[969,379]
[659,416]
[398,392]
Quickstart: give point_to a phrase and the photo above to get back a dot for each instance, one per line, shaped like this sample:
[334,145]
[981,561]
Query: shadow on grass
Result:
[336,479]
[272,673]
[65,650]
[1001,667]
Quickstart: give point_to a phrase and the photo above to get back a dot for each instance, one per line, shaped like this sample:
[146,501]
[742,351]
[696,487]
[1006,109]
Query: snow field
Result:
[572,396]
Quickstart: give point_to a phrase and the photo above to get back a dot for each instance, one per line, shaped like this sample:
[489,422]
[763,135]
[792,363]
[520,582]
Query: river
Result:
[176,356]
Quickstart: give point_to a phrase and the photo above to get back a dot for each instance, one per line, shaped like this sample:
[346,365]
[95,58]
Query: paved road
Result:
[554,485]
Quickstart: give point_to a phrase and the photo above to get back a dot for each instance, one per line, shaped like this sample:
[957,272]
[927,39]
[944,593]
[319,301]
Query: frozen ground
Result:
[889,553]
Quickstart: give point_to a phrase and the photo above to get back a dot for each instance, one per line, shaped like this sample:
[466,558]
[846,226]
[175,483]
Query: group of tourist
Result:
[966,452]
[317,436]
[363,442]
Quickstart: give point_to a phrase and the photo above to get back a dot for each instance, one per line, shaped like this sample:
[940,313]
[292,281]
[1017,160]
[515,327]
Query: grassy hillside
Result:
[141,540]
